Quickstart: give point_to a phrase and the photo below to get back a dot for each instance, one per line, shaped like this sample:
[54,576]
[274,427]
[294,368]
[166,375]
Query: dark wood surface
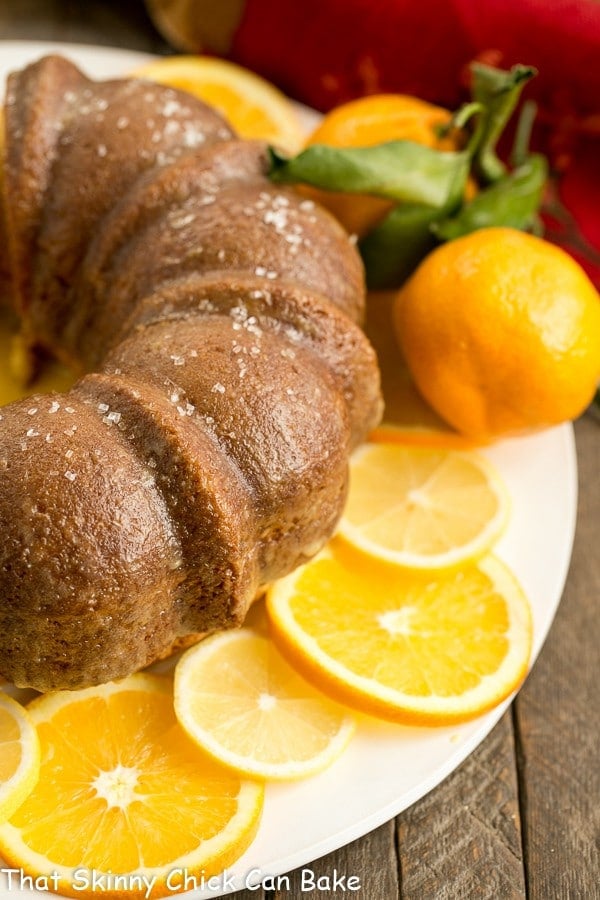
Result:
[520,817]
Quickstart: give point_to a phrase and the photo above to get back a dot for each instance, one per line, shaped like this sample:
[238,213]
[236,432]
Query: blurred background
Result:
[88,23]
[324,52]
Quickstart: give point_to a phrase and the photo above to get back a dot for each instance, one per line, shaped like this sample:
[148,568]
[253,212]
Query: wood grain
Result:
[557,715]
[371,862]
[464,839]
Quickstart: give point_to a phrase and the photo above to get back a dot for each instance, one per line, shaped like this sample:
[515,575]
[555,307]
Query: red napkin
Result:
[324,52]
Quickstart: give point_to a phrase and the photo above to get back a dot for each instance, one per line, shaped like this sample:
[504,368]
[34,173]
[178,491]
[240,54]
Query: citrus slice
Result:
[422,650]
[253,106]
[419,436]
[241,701]
[423,507]
[19,756]
[125,796]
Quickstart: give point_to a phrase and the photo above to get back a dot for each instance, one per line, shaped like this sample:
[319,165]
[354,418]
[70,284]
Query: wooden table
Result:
[520,818]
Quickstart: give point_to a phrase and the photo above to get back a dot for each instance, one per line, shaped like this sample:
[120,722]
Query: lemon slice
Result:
[253,106]
[243,704]
[416,649]
[123,793]
[423,507]
[19,756]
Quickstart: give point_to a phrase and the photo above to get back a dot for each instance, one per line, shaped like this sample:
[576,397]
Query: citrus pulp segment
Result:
[422,649]
[124,793]
[241,701]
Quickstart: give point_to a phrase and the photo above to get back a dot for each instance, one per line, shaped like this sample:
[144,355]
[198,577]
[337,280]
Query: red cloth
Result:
[325,52]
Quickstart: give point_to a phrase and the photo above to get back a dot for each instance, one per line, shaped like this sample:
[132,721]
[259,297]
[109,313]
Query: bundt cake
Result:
[217,316]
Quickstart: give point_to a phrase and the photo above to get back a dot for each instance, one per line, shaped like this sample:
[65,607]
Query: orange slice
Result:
[253,106]
[419,436]
[123,793]
[418,650]
[242,703]
[19,756]
[423,507]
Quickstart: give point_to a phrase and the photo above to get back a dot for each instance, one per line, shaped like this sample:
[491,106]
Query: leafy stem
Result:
[498,93]
[427,185]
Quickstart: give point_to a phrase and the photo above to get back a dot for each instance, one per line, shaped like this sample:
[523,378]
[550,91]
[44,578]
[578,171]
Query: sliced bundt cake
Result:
[205,452]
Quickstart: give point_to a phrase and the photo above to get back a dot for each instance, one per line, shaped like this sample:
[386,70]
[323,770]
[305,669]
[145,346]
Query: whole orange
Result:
[374,120]
[501,333]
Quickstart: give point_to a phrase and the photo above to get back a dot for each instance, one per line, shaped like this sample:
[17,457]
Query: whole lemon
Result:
[501,333]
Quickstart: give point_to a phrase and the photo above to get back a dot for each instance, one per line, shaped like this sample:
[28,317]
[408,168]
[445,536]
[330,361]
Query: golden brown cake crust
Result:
[207,453]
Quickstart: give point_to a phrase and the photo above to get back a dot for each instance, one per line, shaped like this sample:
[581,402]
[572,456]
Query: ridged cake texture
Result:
[215,319]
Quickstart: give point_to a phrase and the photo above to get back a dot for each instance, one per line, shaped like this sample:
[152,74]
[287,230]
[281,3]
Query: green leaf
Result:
[403,171]
[428,185]
[512,201]
[395,247]
[498,92]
